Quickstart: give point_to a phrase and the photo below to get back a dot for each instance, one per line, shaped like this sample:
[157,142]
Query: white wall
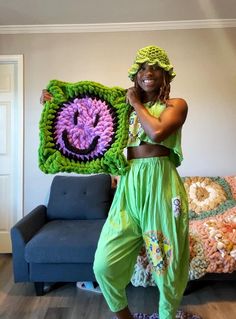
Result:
[206,77]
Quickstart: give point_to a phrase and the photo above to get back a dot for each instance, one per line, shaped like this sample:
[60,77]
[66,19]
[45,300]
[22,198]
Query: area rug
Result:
[180,315]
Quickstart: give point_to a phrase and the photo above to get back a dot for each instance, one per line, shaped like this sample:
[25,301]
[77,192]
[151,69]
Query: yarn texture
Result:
[151,55]
[212,230]
[84,129]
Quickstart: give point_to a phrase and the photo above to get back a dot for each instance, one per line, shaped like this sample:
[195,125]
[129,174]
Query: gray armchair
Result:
[57,243]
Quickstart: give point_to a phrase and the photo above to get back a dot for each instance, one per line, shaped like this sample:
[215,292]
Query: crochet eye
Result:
[76,114]
[96,120]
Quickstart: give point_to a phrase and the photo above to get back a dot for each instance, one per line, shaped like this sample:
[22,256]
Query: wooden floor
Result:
[18,301]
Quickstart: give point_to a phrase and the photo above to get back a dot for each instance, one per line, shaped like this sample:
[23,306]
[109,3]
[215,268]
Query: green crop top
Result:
[138,135]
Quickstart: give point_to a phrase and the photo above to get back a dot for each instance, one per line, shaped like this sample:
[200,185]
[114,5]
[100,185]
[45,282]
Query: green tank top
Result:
[138,135]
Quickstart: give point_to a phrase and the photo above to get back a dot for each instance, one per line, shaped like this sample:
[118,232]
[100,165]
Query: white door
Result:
[11,146]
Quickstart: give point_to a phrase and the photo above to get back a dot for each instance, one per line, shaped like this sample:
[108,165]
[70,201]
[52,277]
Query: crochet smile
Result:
[76,150]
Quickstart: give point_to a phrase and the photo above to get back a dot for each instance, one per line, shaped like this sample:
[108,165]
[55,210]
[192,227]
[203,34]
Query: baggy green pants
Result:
[150,205]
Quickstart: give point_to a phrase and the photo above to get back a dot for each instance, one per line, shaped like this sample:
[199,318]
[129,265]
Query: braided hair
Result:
[164,92]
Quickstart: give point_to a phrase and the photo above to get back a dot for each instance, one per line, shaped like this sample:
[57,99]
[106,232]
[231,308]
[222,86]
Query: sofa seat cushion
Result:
[65,241]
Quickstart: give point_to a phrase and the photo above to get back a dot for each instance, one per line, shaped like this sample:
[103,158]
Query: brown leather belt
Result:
[147,150]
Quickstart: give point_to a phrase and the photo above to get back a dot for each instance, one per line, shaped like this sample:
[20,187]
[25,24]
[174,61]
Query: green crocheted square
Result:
[84,129]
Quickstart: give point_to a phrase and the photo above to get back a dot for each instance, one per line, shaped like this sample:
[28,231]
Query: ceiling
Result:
[47,12]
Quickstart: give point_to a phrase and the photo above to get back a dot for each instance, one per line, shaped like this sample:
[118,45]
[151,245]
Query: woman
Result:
[150,203]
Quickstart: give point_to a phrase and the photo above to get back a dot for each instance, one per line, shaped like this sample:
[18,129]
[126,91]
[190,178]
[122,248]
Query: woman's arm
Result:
[158,129]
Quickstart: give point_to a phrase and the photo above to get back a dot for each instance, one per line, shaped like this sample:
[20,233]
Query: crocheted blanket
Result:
[84,129]
[212,232]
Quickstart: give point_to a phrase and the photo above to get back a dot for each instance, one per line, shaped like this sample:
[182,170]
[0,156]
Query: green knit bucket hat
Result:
[151,55]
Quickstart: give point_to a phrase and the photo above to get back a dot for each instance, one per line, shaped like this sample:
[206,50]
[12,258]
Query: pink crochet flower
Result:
[232,182]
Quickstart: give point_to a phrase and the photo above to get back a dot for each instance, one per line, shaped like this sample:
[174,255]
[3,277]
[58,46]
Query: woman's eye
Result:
[156,67]
[142,68]
[151,68]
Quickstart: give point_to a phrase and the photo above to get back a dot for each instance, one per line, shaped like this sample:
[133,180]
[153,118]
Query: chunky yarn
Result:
[151,55]
[84,129]
[212,229]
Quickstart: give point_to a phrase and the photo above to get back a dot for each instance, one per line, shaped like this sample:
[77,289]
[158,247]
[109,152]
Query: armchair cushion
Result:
[70,241]
[57,242]
[79,198]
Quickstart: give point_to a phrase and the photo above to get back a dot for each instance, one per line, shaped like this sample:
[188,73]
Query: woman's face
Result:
[149,78]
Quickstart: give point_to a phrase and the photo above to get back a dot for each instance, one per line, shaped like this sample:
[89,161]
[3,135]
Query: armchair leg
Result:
[39,288]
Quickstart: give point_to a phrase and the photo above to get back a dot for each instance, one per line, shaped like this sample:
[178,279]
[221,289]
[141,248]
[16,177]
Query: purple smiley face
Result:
[84,128]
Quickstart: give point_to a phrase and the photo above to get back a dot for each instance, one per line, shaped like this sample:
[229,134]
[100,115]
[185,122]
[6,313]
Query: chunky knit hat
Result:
[151,55]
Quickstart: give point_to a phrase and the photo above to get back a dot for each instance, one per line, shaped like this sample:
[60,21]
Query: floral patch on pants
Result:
[159,251]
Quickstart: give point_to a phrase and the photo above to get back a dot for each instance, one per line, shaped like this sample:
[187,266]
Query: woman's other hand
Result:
[133,96]
[45,96]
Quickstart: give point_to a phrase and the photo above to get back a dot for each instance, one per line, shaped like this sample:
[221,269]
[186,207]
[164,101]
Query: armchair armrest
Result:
[21,233]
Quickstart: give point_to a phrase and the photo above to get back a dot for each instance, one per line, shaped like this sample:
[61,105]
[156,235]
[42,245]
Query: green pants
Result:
[150,205]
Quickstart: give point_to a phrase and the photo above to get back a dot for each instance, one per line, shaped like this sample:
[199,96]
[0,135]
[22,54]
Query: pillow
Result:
[84,129]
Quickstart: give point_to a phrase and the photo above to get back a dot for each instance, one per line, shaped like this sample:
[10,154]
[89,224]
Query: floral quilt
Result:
[212,229]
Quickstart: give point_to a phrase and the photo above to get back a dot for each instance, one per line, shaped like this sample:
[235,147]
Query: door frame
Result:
[19,123]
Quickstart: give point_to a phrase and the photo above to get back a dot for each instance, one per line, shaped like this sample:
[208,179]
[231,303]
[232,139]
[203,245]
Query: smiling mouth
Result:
[148,82]
[84,151]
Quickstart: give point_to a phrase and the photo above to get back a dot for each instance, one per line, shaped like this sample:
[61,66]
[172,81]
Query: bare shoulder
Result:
[178,103]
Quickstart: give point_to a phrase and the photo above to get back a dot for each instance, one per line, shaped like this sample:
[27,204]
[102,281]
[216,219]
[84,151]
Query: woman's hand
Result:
[133,96]
[45,96]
